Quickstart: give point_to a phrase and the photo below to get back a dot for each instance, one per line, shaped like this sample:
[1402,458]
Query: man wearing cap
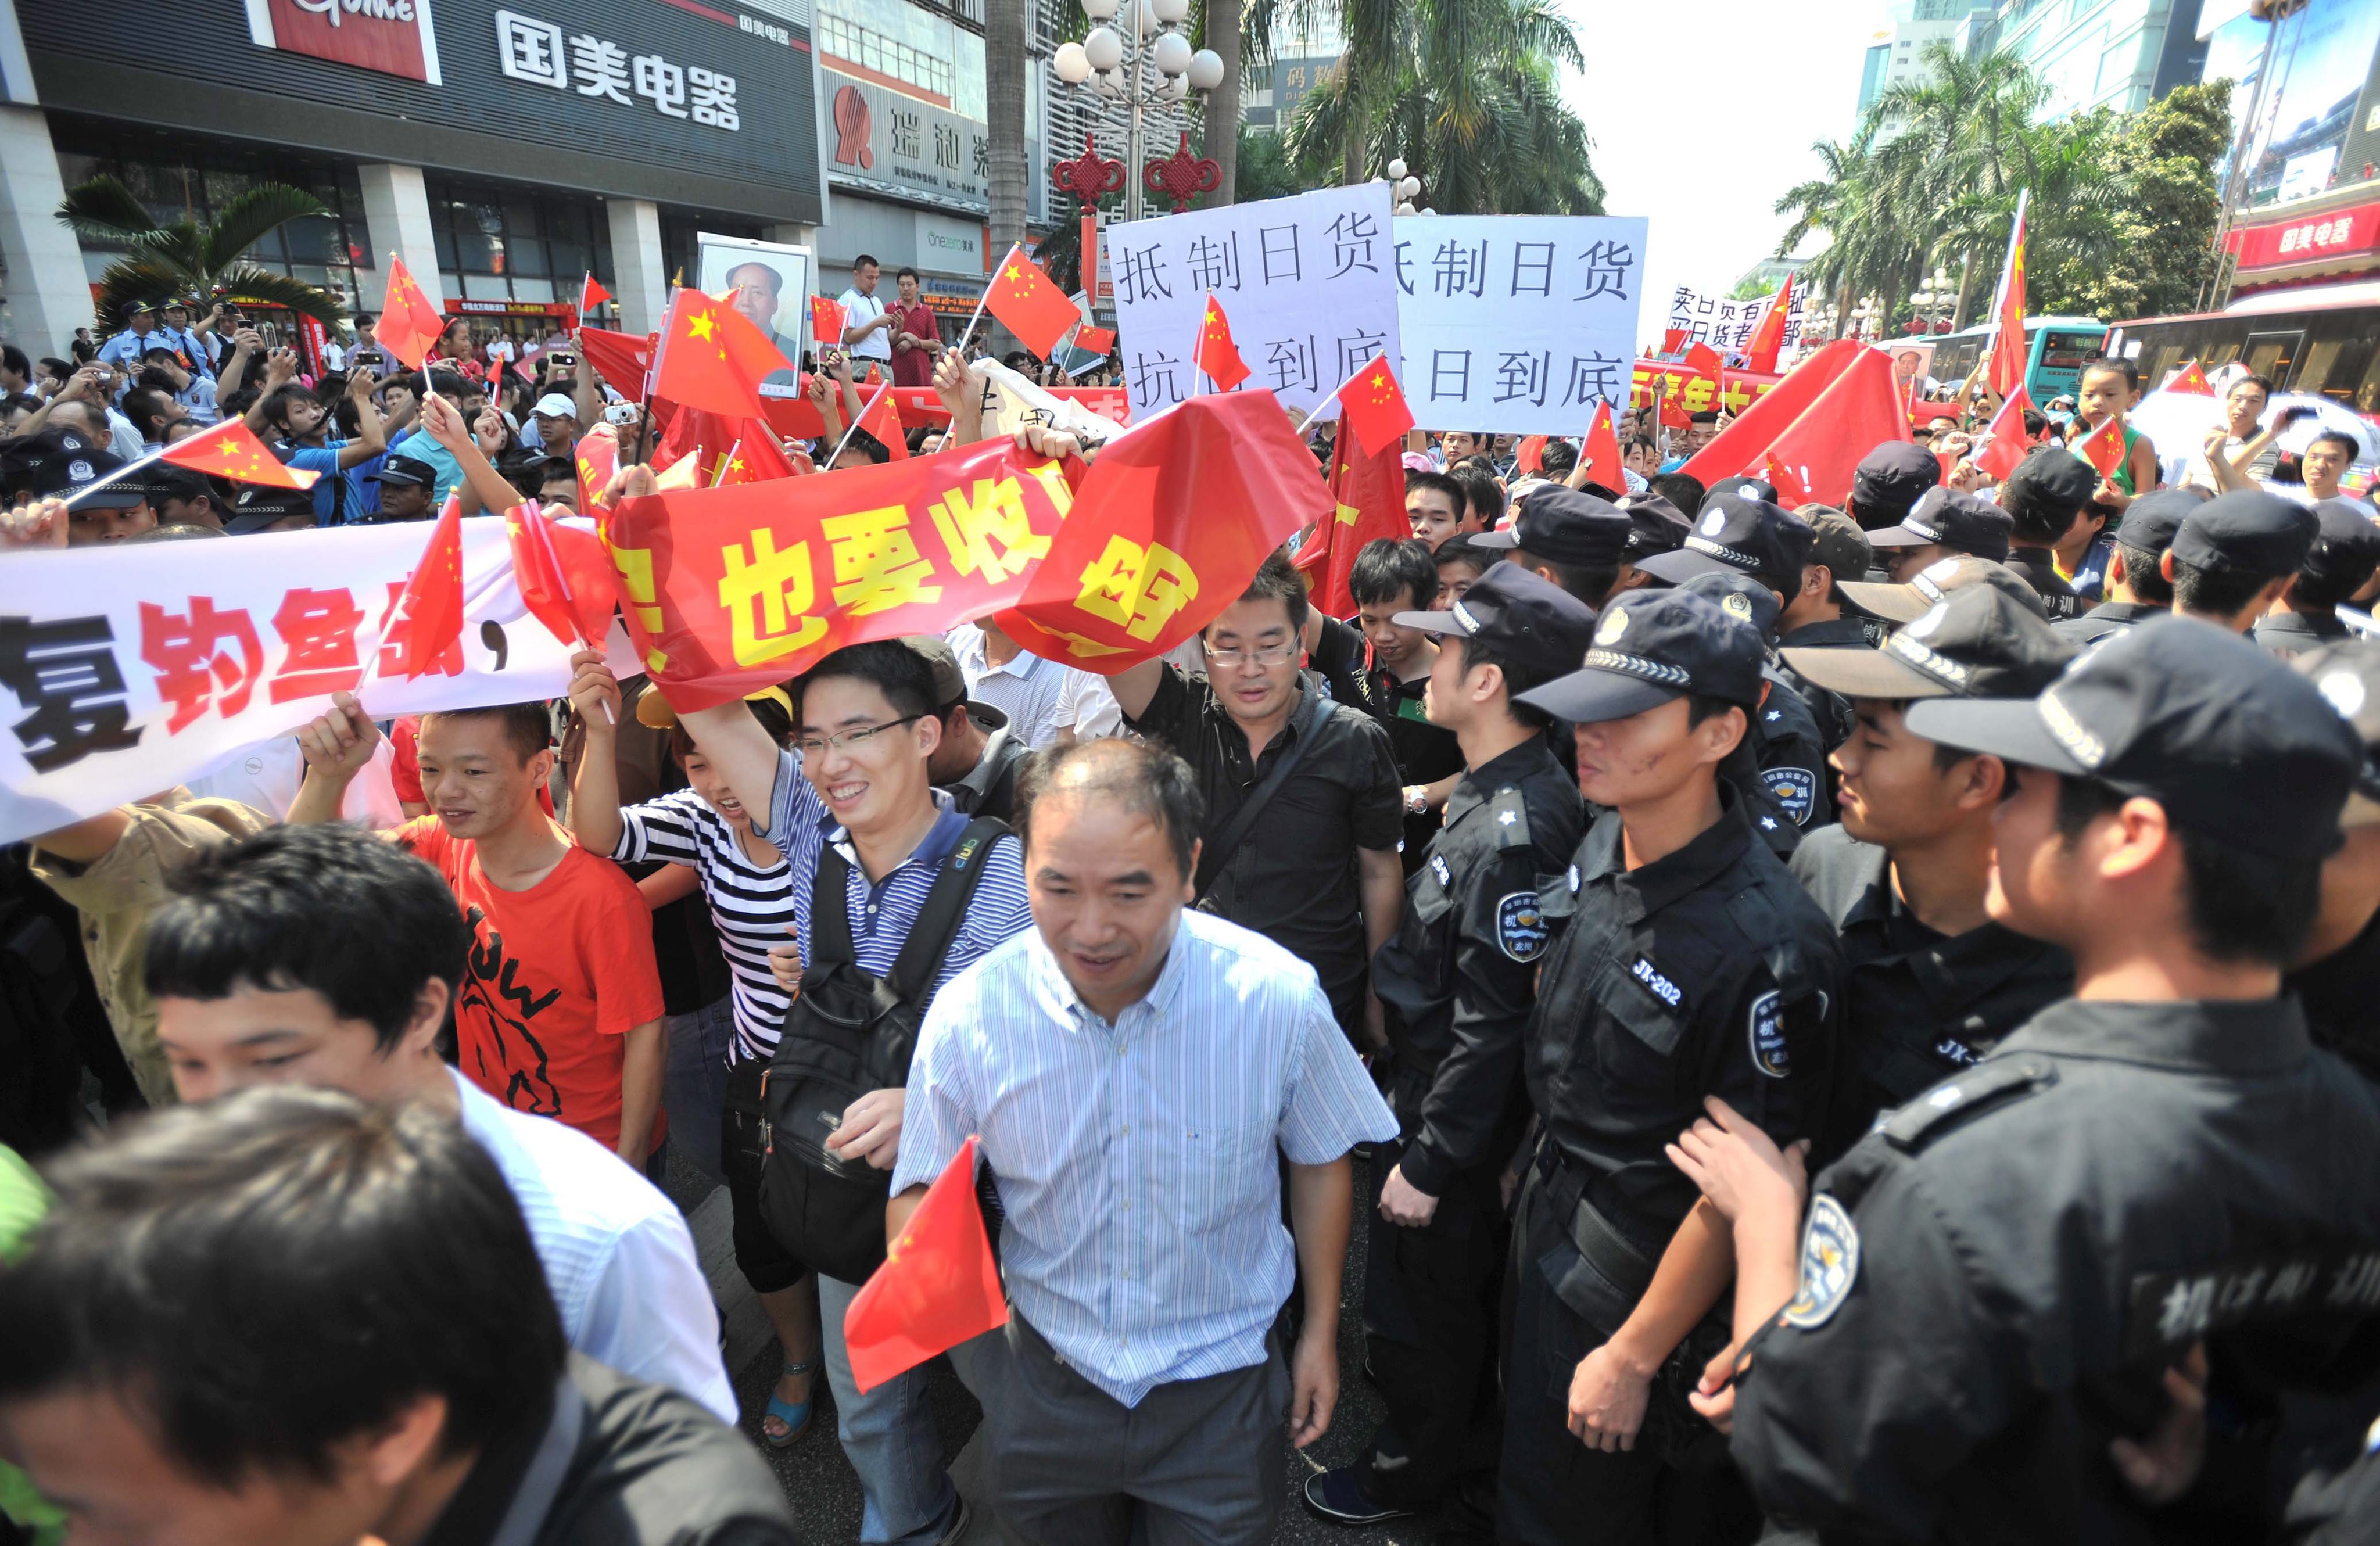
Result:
[1814,617]
[257,508]
[976,764]
[2001,1317]
[2236,555]
[1691,965]
[1655,526]
[100,514]
[1930,983]
[1458,982]
[1909,601]
[1781,764]
[1888,481]
[2345,552]
[1573,540]
[2337,974]
[2047,494]
[2136,588]
[1943,523]
[555,421]
[126,348]
[405,489]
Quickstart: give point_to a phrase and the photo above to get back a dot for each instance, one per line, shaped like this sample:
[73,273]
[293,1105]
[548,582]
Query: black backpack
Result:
[845,1034]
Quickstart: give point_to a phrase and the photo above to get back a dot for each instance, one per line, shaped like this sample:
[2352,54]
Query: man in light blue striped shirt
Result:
[1137,1070]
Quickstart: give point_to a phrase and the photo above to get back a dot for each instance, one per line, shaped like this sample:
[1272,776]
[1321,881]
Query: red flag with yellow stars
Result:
[1769,338]
[1368,489]
[1217,356]
[1601,456]
[712,357]
[432,598]
[2103,447]
[2192,381]
[231,450]
[2004,371]
[409,321]
[882,419]
[1373,405]
[938,1286]
[1036,312]
[827,323]
[2008,439]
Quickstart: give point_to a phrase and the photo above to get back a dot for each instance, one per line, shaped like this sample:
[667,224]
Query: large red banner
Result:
[387,37]
[1678,385]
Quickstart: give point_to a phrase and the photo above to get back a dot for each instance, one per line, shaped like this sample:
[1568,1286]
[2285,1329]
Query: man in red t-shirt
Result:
[560,1012]
[917,336]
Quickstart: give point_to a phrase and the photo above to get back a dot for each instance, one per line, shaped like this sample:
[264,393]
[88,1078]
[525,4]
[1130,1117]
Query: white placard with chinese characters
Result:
[1518,323]
[1307,283]
[1706,317]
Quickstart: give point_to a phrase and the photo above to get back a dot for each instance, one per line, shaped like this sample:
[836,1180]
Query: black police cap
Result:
[1892,478]
[1564,526]
[2150,520]
[1651,647]
[1655,526]
[2051,482]
[1732,532]
[2231,742]
[1741,597]
[408,470]
[1913,599]
[1977,643]
[1745,486]
[257,507]
[2247,532]
[1519,614]
[2348,676]
[66,473]
[2346,539]
[1951,518]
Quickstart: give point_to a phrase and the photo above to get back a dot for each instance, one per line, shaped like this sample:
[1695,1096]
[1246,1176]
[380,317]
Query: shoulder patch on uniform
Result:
[1831,1249]
[1796,791]
[1573,879]
[1656,985]
[1511,812]
[1437,868]
[1521,931]
[1765,1029]
[1991,1082]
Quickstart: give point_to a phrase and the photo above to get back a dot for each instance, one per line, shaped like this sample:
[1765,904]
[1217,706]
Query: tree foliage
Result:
[191,261]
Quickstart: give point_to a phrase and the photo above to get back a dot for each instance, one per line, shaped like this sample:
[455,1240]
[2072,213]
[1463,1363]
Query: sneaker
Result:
[1341,1497]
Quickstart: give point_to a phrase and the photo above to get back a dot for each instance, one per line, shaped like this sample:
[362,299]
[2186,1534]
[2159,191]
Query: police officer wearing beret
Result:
[1930,982]
[1690,964]
[2046,496]
[2135,587]
[2337,976]
[1574,540]
[2000,1320]
[2345,552]
[1458,982]
[1782,764]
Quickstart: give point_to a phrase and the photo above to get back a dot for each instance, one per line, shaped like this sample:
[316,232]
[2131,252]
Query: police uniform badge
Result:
[1796,791]
[1615,623]
[1736,605]
[1830,1251]
[79,470]
[1521,931]
[1765,1029]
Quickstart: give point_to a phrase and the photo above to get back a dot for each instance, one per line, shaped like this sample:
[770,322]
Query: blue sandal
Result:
[794,1416]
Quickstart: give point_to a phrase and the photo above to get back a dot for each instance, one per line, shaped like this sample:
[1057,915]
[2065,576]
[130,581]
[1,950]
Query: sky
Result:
[1703,114]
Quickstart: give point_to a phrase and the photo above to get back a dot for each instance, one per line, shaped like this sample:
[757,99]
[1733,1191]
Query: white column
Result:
[396,218]
[49,291]
[639,283]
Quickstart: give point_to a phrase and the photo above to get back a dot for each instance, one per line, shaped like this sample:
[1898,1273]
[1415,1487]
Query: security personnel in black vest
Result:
[1690,964]
[1458,982]
[2337,976]
[1787,747]
[1930,982]
[2015,1305]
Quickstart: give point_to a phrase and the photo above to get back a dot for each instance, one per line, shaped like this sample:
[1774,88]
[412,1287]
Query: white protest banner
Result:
[1704,317]
[1010,403]
[1519,323]
[126,669]
[1304,280]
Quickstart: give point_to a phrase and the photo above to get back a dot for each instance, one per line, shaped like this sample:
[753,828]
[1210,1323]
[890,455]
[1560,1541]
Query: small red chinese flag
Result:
[1373,405]
[2009,440]
[431,602]
[1368,487]
[1769,338]
[409,321]
[827,322]
[230,450]
[1601,455]
[1036,312]
[1529,456]
[712,357]
[1217,356]
[1703,359]
[1097,341]
[2190,381]
[1673,340]
[2103,447]
[1792,489]
[621,359]
[938,1286]
[591,295]
[881,418]
[537,570]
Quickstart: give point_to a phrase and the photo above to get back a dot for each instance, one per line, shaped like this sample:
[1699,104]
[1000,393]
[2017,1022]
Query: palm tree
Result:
[1004,87]
[1219,138]
[186,259]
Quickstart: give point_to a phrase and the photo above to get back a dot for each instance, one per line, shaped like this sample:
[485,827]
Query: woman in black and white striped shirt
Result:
[750,888]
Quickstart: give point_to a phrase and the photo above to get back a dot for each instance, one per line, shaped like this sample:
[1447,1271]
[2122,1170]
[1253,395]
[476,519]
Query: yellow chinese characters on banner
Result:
[1137,588]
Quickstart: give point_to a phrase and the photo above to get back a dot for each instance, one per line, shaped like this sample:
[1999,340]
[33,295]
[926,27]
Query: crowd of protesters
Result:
[1854,1025]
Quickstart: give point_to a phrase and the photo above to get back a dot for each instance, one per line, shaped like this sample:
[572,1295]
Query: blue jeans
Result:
[888,1435]
[694,1082]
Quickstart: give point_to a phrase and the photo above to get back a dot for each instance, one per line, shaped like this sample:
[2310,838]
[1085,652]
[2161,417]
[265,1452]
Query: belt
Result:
[1562,1185]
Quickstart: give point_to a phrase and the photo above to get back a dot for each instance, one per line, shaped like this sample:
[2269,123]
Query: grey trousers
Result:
[1197,1463]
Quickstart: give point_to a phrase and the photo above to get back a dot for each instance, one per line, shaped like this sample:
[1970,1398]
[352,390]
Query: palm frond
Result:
[247,281]
[254,215]
[103,210]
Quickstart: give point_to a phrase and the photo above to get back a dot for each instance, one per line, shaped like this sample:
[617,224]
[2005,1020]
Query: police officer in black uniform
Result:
[1786,748]
[2006,1293]
[2135,585]
[1926,589]
[1655,526]
[1944,523]
[2345,551]
[1458,982]
[1930,982]
[1573,538]
[2337,976]
[1690,964]
[2050,491]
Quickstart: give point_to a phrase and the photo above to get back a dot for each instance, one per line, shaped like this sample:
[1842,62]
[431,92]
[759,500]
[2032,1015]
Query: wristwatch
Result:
[1416,800]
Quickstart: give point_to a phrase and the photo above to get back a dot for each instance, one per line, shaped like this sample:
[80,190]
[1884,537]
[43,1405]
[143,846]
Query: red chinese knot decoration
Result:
[1182,176]
[1091,178]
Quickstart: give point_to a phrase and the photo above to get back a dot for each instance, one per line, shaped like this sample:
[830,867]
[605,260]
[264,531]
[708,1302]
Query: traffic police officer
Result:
[1786,747]
[1930,982]
[1458,982]
[1691,965]
[2019,1277]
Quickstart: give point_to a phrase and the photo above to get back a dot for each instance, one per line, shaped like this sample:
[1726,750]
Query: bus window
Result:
[2338,352]
[2367,395]
[2057,355]
[2270,355]
[1955,355]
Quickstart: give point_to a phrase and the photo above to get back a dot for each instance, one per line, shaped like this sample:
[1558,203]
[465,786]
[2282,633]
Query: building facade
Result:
[2115,54]
[1896,53]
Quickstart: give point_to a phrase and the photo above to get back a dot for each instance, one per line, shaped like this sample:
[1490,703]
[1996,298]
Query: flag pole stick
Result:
[724,463]
[1319,407]
[125,471]
[853,428]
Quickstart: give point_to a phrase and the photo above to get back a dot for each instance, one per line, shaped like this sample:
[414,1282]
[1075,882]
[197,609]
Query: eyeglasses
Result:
[846,741]
[1263,655]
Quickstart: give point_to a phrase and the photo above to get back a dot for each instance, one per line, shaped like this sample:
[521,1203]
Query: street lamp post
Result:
[1404,188]
[1140,63]
[1932,295]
